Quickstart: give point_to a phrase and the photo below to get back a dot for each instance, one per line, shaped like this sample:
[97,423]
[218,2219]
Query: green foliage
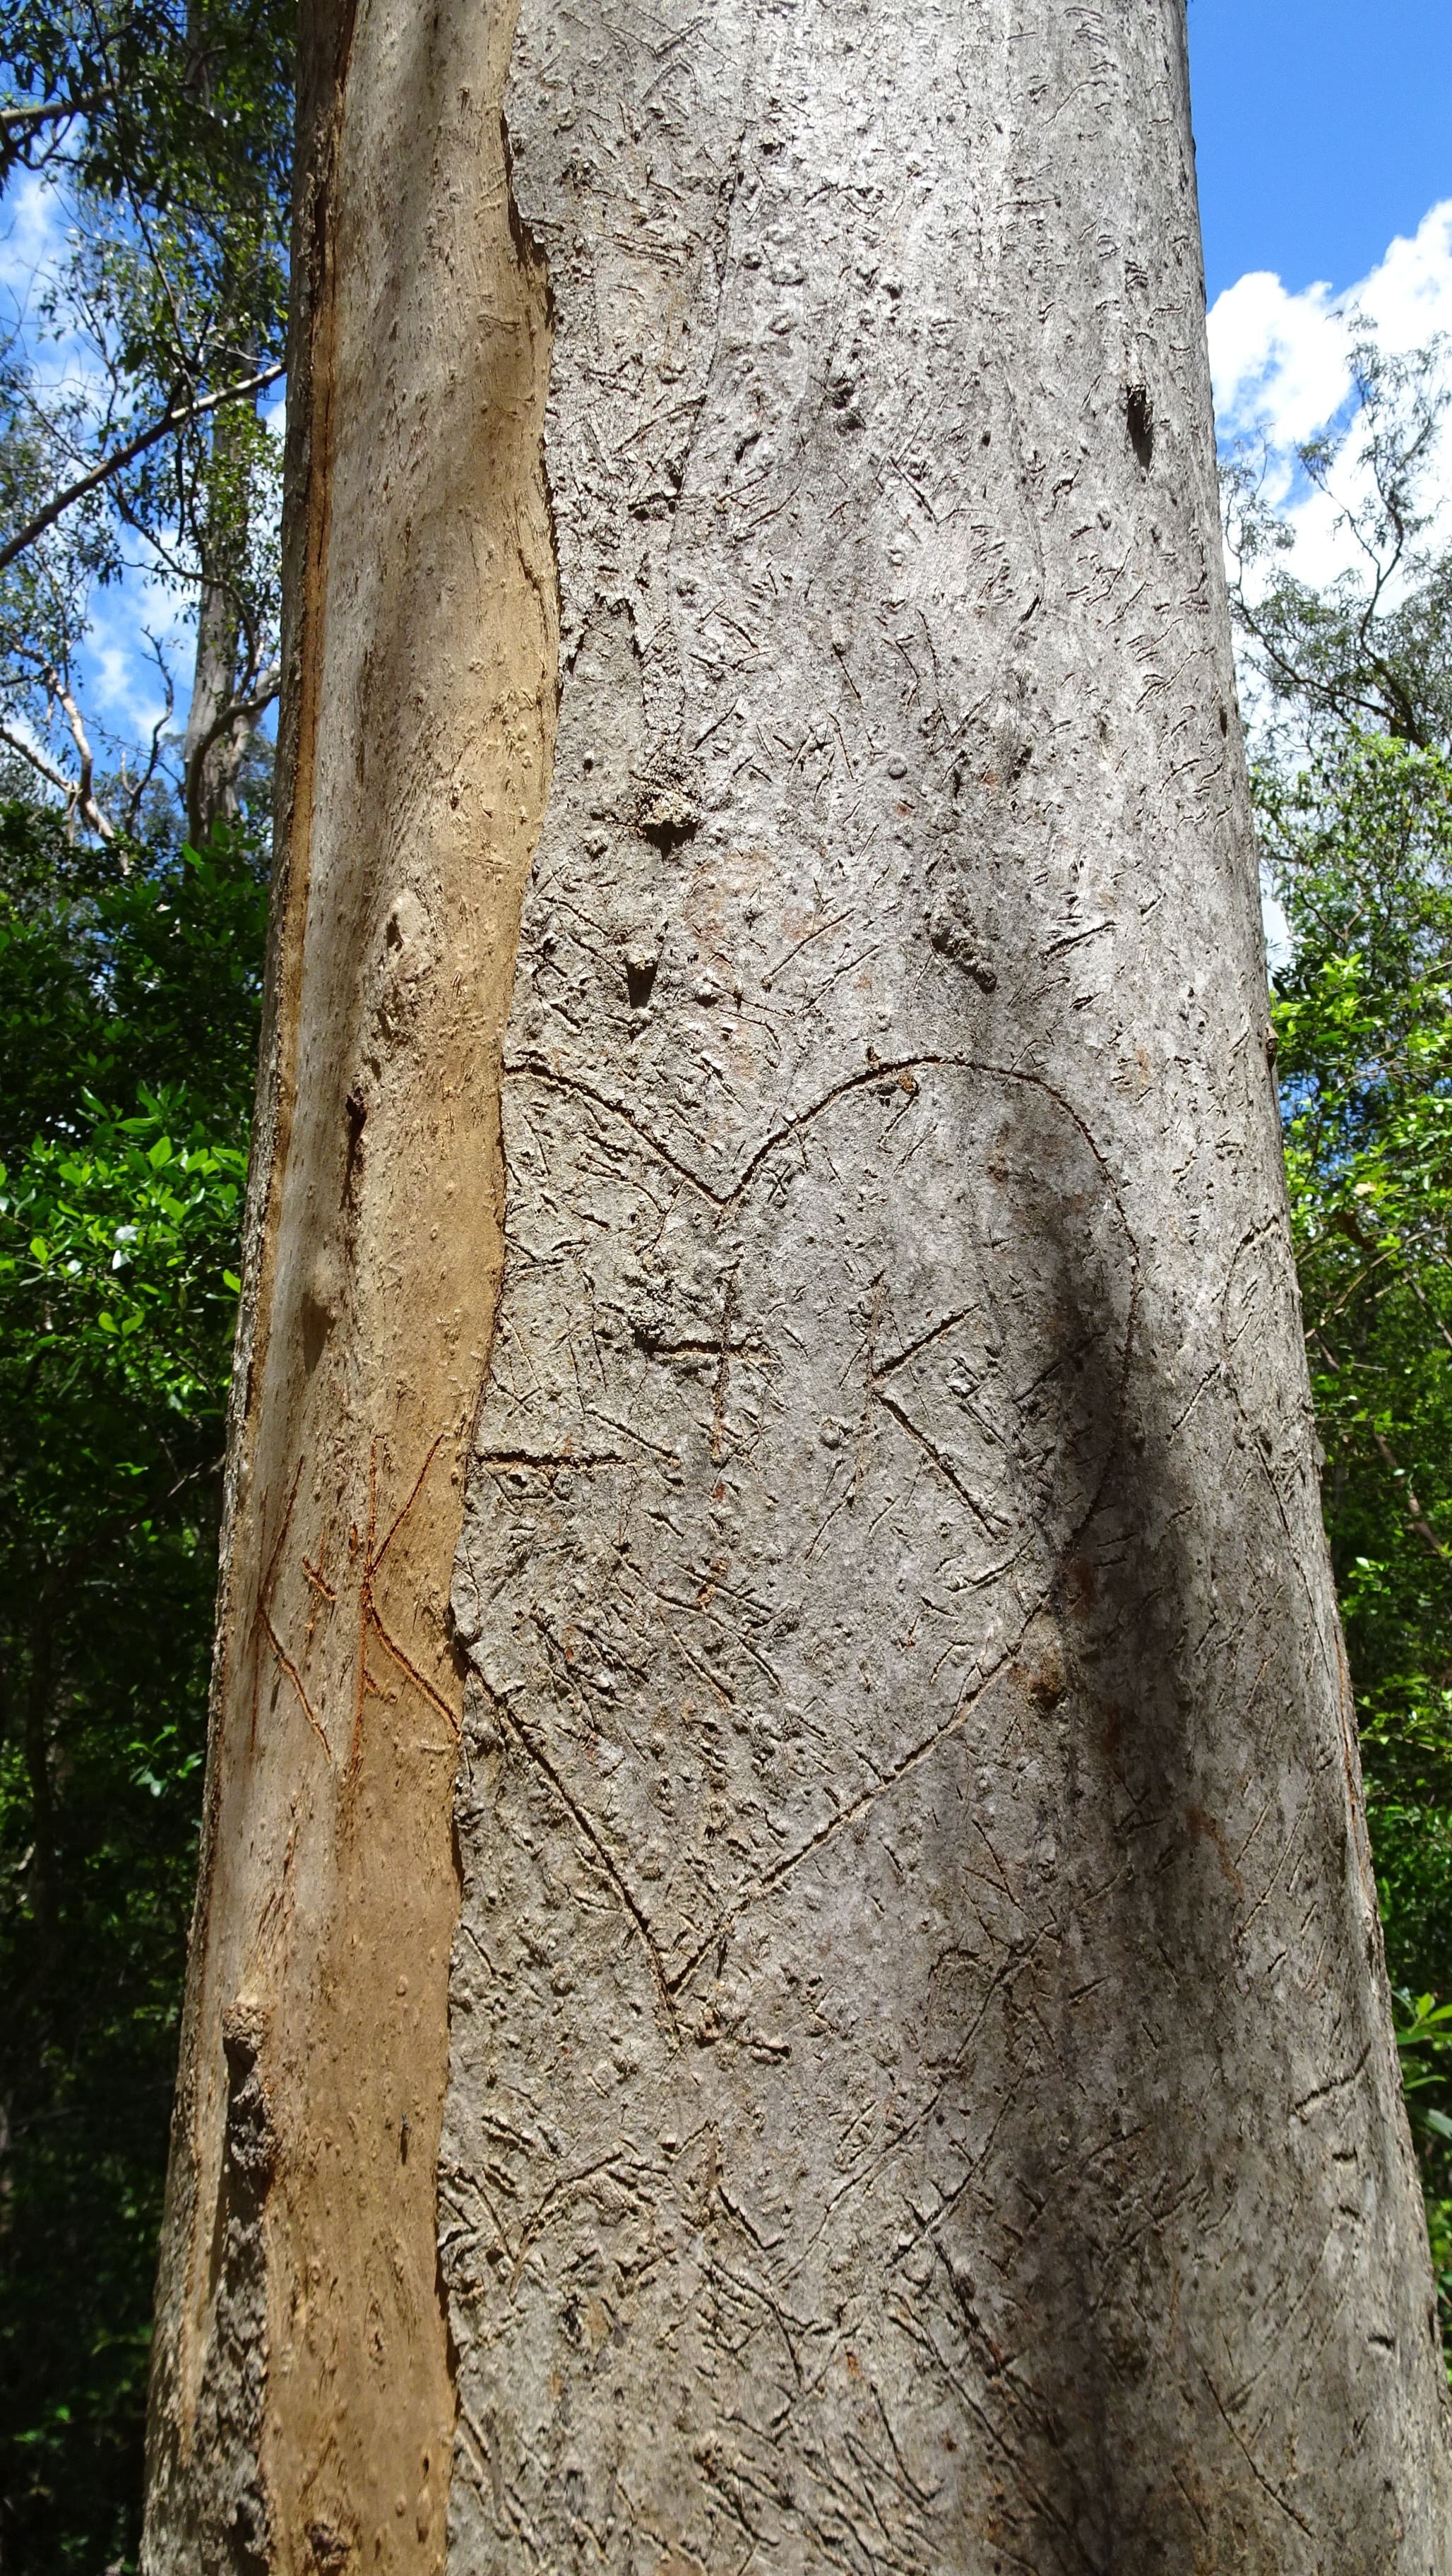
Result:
[1360,850]
[129,971]
[128,1006]
[146,98]
[1424,2033]
[170,125]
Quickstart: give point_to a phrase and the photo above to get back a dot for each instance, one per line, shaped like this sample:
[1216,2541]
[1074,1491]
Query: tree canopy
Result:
[128,1010]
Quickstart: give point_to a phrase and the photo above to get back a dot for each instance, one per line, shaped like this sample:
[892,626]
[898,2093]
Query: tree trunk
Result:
[301,2392]
[220,723]
[209,758]
[920,2092]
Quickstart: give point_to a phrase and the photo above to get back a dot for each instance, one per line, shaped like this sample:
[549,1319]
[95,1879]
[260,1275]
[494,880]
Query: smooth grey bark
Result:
[210,755]
[231,687]
[921,2087]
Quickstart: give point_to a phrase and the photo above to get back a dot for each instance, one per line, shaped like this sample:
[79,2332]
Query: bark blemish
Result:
[1140,421]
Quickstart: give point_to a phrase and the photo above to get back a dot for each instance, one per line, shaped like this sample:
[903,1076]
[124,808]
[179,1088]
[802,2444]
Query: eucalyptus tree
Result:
[160,137]
[828,2008]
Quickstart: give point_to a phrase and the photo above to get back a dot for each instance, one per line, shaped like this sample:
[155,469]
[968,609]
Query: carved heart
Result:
[914,1387]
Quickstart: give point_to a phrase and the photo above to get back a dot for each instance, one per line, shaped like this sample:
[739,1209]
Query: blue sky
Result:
[1324,147]
[1323,128]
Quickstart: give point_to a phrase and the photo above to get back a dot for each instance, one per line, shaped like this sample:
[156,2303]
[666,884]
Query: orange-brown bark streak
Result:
[419,743]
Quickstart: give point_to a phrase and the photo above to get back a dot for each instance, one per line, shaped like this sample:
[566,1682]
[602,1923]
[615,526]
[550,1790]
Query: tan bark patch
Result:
[419,744]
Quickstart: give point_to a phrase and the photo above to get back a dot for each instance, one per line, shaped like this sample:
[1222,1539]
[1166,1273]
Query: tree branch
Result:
[37,759]
[176,416]
[83,792]
[239,717]
[89,810]
[50,111]
[1416,1517]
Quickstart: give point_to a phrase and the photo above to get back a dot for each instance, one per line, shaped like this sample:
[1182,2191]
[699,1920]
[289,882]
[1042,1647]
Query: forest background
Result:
[144,158]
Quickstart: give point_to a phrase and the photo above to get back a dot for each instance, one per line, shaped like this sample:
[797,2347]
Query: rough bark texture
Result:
[921,2091]
[302,2409]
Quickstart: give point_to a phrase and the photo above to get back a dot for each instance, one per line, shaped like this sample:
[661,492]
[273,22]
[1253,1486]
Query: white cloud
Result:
[1280,367]
[1277,361]
[1409,297]
[32,237]
[122,685]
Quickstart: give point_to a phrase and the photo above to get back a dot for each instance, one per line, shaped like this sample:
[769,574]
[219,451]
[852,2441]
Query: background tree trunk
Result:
[920,2088]
[232,686]
[210,759]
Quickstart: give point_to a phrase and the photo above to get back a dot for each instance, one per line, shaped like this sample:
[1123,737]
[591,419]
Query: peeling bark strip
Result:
[302,2411]
[921,2091]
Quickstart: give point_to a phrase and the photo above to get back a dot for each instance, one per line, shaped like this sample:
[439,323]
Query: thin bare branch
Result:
[86,807]
[37,759]
[176,416]
[83,791]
